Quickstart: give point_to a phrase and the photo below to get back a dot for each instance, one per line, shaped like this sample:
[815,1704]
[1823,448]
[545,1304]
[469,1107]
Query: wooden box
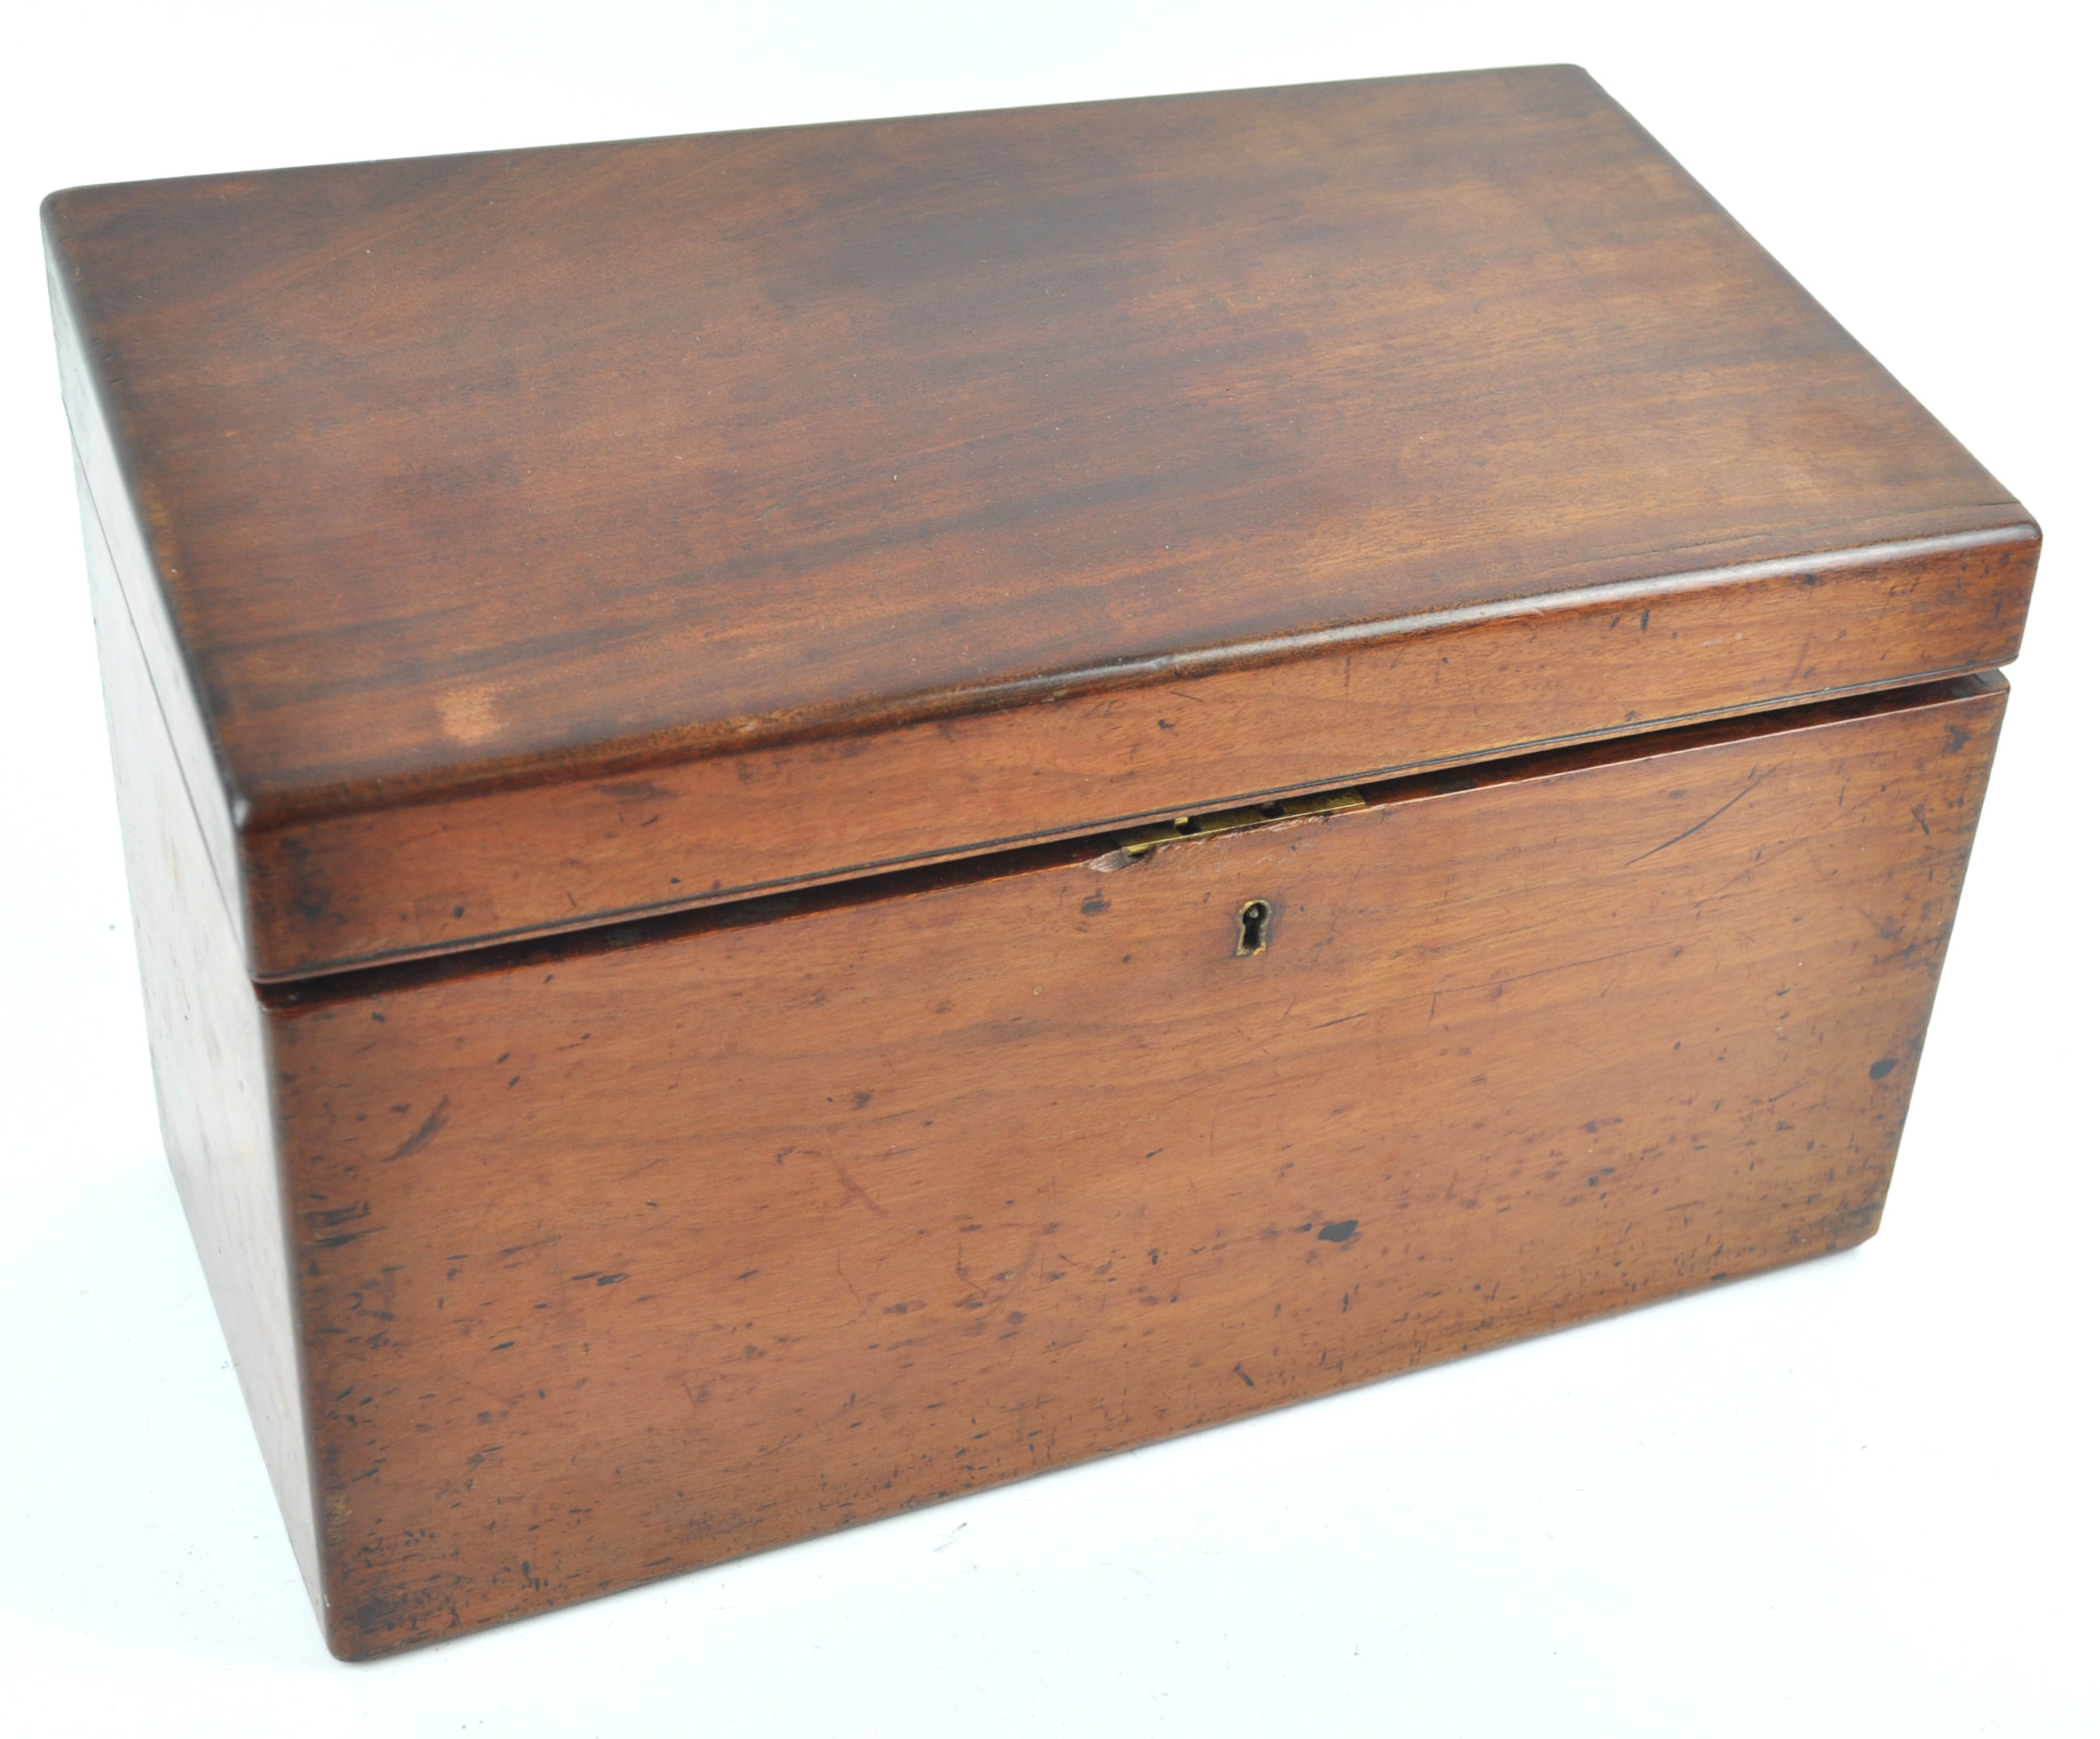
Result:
[821,817]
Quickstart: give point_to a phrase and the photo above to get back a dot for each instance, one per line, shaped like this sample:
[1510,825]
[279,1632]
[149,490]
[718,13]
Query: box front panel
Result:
[627,1261]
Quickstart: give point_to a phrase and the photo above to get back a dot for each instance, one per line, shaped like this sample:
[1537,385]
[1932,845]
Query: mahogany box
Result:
[824,816]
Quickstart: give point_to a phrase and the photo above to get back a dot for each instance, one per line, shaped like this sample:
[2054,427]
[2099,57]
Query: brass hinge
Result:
[1140,841]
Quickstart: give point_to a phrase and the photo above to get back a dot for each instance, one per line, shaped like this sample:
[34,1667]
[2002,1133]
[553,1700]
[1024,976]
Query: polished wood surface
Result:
[524,539]
[633,1251]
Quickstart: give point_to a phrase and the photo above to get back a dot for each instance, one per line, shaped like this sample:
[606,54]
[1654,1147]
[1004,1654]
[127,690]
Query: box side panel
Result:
[620,1263]
[439,876]
[210,1061]
[113,517]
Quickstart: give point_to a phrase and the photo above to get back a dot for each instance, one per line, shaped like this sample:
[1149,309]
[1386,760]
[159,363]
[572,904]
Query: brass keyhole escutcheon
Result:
[1255,918]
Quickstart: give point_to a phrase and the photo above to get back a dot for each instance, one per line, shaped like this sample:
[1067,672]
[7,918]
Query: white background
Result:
[1857,1497]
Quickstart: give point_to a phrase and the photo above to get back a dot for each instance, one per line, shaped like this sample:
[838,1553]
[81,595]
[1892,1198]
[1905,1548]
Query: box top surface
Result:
[473,472]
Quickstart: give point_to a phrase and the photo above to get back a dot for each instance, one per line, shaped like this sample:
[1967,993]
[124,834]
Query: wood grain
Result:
[1226,412]
[631,1252]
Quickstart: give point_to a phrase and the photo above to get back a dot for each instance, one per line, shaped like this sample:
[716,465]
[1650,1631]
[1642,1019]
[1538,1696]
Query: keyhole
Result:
[1254,927]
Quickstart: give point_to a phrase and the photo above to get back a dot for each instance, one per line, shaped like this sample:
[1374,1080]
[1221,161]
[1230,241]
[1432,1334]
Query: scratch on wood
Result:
[1708,822]
[431,1124]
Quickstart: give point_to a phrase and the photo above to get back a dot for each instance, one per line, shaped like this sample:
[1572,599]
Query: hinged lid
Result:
[527,539]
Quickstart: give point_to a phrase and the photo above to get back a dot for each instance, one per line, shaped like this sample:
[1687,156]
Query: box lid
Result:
[528,539]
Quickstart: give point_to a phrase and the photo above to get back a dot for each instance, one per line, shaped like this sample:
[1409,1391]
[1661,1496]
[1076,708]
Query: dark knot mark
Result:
[1882,1069]
[1337,1231]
